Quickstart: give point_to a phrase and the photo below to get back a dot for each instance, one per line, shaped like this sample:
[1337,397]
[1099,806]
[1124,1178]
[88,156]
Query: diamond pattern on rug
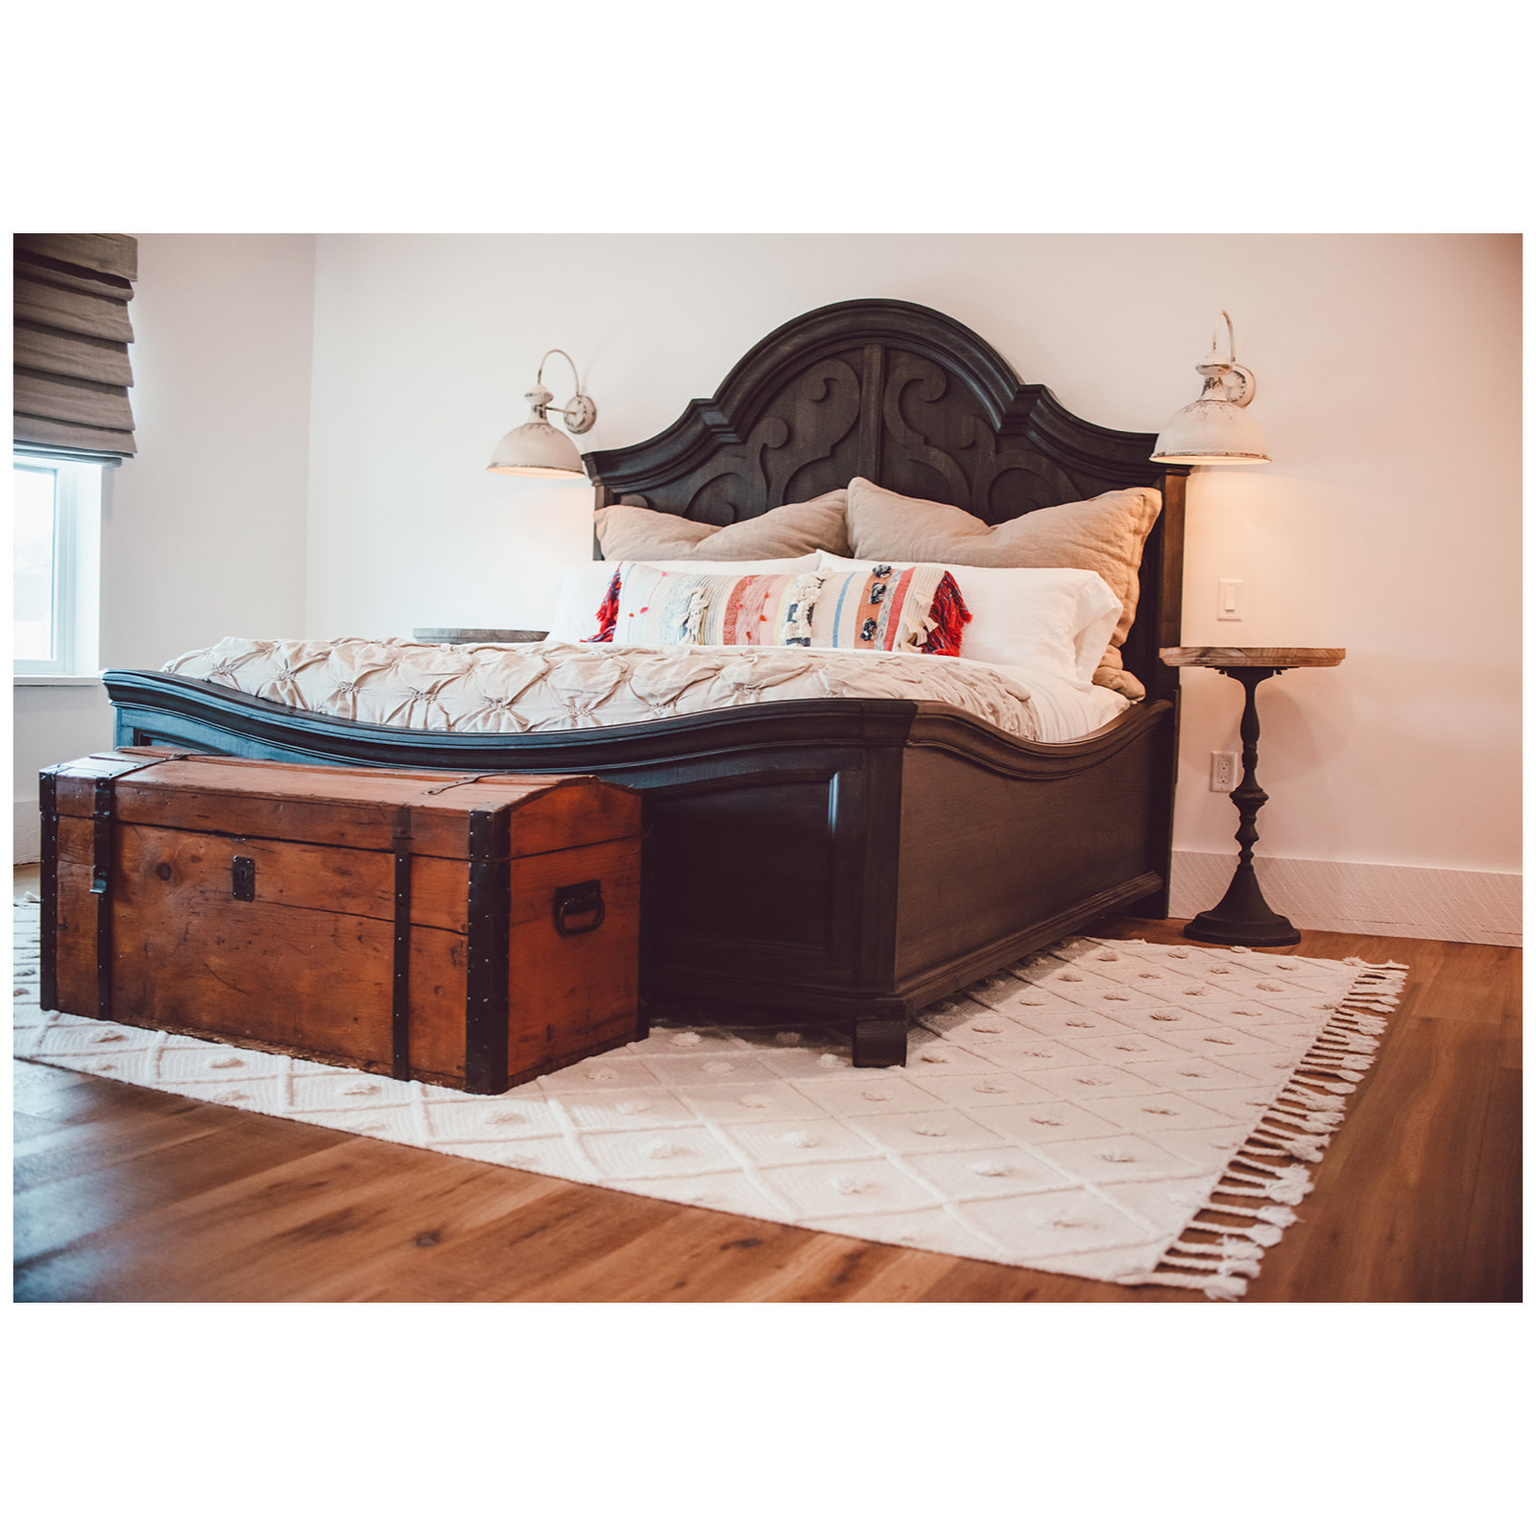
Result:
[1077,1112]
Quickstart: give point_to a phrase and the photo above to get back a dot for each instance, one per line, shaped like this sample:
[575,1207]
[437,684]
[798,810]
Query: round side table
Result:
[1242,916]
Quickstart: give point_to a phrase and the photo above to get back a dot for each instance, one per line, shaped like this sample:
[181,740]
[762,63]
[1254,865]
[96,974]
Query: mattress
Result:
[560,686]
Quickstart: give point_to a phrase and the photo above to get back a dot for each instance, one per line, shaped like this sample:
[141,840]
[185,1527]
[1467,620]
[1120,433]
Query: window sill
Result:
[57,680]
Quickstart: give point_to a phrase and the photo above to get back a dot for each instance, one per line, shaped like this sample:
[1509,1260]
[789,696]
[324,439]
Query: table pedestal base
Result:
[1242,916]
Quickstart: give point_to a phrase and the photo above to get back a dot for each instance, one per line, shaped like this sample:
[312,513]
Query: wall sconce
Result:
[537,448]
[1215,429]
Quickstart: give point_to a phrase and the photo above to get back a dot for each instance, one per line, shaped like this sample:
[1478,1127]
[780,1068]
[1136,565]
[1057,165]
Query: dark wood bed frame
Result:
[846,857]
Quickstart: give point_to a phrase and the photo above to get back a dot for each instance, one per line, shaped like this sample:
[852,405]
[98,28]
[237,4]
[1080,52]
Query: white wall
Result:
[204,531]
[207,532]
[1388,385]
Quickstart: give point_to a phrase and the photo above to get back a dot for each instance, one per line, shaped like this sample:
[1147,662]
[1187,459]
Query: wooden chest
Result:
[471,931]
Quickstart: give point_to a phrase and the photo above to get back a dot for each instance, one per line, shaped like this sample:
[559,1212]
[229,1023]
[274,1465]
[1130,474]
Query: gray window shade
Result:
[71,341]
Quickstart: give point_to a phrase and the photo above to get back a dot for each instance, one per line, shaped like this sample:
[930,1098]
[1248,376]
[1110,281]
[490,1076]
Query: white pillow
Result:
[1054,619]
[580,589]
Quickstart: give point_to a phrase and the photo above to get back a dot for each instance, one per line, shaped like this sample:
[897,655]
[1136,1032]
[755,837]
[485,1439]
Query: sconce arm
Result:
[580,412]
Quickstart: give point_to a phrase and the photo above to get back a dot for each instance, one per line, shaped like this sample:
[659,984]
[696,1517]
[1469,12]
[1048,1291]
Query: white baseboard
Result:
[27,848]
[1460,906]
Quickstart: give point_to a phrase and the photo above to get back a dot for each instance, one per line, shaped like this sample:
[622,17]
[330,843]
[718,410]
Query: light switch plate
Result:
[1229,599]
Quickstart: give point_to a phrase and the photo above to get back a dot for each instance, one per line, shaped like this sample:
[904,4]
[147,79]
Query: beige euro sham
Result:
[1104,534]
[799,528]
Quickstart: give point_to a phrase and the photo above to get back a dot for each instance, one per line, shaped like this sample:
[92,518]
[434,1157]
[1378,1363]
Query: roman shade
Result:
[72,332]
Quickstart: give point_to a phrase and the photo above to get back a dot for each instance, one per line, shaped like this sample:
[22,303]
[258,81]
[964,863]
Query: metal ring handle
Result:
[576,900]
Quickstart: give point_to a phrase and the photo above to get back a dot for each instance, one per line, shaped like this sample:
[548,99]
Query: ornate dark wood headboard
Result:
[920,404]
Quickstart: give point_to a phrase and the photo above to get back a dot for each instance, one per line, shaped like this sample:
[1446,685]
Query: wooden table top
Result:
[479,636]
[1250,656]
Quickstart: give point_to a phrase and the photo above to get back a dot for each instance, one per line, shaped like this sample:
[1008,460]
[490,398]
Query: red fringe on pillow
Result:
[608,613]
[947,620]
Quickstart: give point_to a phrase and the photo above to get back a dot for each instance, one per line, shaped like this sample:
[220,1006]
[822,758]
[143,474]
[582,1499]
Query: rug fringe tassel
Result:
[1297,1120]
[1296,1129]
[1227,1287]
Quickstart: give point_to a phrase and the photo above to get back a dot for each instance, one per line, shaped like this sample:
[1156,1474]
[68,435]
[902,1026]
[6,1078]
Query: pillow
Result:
[916,609]
[801,528]
[1049,620]
[1104,535]
[580,589]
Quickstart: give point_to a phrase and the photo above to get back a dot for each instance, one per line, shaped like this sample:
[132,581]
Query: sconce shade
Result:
[1216,428]
[1211,431]
[537,448]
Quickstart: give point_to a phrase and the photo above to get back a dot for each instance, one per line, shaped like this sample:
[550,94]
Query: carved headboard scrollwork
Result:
[918,403]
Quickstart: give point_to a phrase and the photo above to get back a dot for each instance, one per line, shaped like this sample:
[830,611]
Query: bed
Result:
[854,858]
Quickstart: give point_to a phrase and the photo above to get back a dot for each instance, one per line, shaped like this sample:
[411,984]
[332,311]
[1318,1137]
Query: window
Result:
[56,569]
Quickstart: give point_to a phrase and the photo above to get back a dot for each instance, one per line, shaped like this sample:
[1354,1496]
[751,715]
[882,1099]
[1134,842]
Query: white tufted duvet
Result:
[556,686]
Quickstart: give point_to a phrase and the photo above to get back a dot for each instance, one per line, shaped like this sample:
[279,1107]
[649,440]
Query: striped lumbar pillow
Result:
[918,608]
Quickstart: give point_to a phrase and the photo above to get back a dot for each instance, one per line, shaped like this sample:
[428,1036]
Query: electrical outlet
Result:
[1223,772]
[1229,599]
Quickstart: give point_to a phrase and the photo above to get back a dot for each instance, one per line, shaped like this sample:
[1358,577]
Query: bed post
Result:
[1166,591]
[602,499]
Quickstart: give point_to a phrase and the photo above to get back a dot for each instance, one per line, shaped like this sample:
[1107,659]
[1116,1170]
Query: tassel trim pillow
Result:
[1037,618]
[918,608]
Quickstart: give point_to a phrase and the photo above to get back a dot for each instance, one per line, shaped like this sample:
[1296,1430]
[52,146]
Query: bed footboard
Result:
[849,858]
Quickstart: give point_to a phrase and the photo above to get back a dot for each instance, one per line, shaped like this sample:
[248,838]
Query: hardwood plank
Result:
[55,1151]
[672,1259]
[560,1230]
[1492,1256]
[361,1208]
[472,1260]
[26,1129]
[903,1275]
[827,1268]
[232,1236]
[76,1209]
[52,1093]
[1492,1253]
[726,1258]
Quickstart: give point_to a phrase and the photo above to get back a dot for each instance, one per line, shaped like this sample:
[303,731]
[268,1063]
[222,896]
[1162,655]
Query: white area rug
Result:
[1109,1109]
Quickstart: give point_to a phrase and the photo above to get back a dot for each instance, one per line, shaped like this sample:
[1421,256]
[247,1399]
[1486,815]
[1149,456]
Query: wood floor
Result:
[129,1194]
